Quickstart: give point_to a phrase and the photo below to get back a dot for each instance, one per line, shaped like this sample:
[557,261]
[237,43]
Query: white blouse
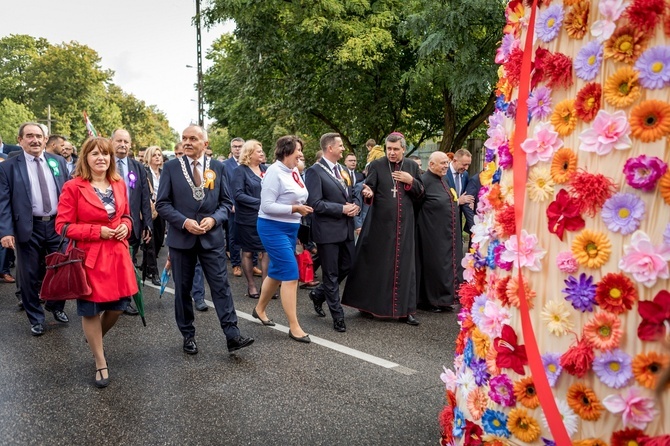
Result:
[281,188]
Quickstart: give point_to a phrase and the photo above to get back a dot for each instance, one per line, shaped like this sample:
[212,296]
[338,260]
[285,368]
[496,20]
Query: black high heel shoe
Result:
[267,323]
[253,296]
[102,382]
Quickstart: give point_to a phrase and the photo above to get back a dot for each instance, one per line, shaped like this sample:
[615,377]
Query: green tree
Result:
[17,53]
[12,115]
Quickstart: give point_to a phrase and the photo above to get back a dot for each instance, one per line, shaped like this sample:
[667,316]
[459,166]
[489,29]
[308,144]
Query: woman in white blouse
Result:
[153,159]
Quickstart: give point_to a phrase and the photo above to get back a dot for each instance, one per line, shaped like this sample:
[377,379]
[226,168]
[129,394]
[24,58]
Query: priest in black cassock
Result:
[382,281]
[439,243]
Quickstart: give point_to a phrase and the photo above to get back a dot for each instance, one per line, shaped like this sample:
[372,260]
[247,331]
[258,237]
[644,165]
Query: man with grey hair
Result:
[193,199]
[385,250]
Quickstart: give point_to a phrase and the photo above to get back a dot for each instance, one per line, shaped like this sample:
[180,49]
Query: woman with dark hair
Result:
[283,198]
[246,191]
[93,208]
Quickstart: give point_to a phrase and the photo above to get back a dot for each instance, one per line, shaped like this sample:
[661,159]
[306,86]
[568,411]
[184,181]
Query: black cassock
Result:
[383,277]
[439,243]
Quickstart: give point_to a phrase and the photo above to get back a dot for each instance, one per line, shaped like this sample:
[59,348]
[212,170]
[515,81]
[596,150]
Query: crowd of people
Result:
[391,222]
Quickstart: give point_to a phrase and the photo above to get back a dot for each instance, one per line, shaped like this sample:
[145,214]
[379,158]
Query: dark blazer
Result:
[327,196]
[9,148]
[359,176]
[140,199]
[229,166]
[16,208]
[472,189]
[175,203]
[465,177]
[246,190]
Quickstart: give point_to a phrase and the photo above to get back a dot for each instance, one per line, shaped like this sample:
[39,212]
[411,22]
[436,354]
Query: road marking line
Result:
[319,341]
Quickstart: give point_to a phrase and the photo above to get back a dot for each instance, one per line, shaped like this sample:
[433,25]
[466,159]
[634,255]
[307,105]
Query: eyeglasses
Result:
[236,147]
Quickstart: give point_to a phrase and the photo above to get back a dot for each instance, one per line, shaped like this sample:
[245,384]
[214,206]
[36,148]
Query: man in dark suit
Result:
[350,163]
[193,199]
[139,197]
[331,197]
[229,165]
[457,178]
[30,185]
[8,148]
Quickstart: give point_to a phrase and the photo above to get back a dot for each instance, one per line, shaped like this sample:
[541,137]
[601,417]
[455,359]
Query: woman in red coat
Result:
[95,206]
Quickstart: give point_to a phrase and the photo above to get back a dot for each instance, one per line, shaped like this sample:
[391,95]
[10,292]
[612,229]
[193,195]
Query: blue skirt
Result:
[279,241]
[88,308]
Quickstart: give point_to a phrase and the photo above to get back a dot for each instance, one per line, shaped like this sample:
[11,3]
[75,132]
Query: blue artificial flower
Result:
[501,105]
[497,175]
[495,423]
[491,255]
[469,352]
[459,422]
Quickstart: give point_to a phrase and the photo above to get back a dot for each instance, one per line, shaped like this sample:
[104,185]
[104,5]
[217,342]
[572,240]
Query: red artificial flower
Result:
[513,67]
[616,293]
[587,103]
[590,191]
[467,293]
[626,437]
[655,315]
[472,435]
[506,221]
[558,69]
[563,214]
[541,57]
[666,21]
[480,279]
[661,440]
[578,359]
[645,14]
[510,354]
[501,290]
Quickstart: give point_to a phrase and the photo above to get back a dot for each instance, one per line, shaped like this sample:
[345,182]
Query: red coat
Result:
[108,264]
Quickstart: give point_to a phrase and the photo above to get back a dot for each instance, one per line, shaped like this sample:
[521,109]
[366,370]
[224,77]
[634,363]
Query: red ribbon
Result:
[544,392]
[296,178]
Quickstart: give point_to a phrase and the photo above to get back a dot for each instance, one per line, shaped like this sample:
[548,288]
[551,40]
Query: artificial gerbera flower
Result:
[557,317]
[623,212]
[552,367]
[626,437]
[654,67]
[495,423]
[542,145]
[525,393]
[590,190]
[577,360]
[549,23]
[564,117]
[580,292]
[587,103]
[540,184]
[603,331]
[591,248]
[614,368]
[459,423]
[523,426]
[655,317]
[539,103]
[563,165]
[577,20]
[650,120]
[648,366]
[609,131]
[512,293]
[645,261]
[622,88]
[626,44]
[643,172]
[566,263]
[616,293]
[589,442]
[588,61]
[584,402]
[570,419]
[664,187]
[636,410]
[477,401]
[481,342]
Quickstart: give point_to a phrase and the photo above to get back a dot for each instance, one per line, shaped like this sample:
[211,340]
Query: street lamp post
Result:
[201,112]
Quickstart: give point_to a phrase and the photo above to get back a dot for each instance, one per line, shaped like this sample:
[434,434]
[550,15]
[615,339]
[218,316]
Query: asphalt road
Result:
[376,384]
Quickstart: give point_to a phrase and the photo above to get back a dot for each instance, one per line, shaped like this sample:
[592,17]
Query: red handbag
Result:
[305,266]
[65,277]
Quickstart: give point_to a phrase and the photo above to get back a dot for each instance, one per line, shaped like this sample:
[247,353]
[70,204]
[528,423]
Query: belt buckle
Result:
[47,217]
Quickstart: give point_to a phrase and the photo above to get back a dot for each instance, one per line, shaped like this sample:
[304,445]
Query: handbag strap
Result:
[62,237]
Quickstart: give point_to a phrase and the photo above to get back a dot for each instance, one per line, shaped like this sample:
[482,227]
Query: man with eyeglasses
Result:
[229,165]
[70,158]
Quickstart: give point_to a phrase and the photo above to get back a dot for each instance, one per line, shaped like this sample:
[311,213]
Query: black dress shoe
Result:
[305,339]
[156,281]
[190,346]
[338,325]
[239,342]
[37,330]
[267,322]
[60,316]
[201,305]
[409,320]
[102,382]
[130,310]
[318,302]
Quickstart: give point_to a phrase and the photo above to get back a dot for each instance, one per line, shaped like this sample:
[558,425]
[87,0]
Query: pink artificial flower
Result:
[646,262]
[636,411]
[524,252]
[542,145]
[468,264]
[566,262]
[609,131]
[611,10]
[497,137]
[493,319]
[449,379]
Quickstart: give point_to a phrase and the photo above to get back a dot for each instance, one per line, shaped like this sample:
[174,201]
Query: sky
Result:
[147,43]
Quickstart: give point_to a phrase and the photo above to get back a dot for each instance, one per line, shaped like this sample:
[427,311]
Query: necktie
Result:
[458,184]
[124,175]
[337,172]
[352,175]
[196,174]
[44,189]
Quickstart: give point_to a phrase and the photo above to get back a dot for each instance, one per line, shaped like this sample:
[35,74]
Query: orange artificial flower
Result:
[491,358]
[584,402]
[591,248]
[650,120]
[477,403]
[564,117]
[664,186]
[563,165]
[525,393]
[495,197]
[622,88]
[648,366]
[587,103]
[589,442]
[512,293]
[523,426]
[577,20]
[603,331]
[481,342]
[626,44]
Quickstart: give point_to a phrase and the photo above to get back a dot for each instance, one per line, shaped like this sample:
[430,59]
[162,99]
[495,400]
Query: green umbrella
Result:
[138,298]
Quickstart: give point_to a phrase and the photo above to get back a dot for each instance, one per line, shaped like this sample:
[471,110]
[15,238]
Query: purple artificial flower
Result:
[480,371]
[489,155]
[497,135]
[613,368]
[549,22]
[548,442]
[509,43]
[497,252]
[552,366]
[539,103]
[501,390]
[644,172]
[581,293]
[654,67]
[505,159]
[497,119]
[511,109]
[622,213]
[477,310]
[588,61]
[666,235]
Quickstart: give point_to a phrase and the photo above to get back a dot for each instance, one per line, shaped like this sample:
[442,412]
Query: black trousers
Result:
[336,259]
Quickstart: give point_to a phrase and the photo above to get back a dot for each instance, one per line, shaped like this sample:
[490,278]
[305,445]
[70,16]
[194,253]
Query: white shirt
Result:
[201,166]
[457,180]
[38,209]
[280,191]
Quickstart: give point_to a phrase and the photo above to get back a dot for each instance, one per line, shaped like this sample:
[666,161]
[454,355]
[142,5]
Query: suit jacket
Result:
[465,177]
[175,204]
[229,166]
[16,199]
[327,196]
[472,189]
[358,176]
[9,148]
[246,192]
[140,199]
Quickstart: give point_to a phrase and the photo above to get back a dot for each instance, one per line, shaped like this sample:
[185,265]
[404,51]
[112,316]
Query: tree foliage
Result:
[12,115]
